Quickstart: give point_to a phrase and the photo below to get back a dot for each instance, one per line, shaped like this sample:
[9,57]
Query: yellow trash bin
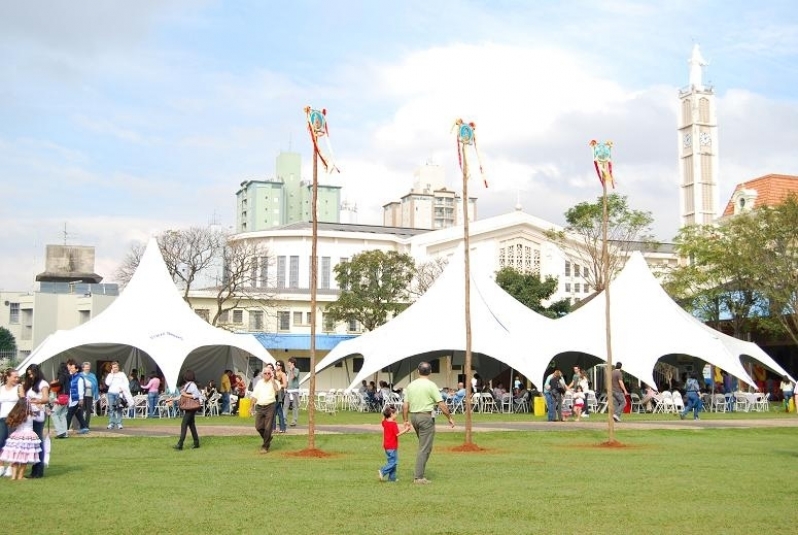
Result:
[244,404]
[791,405]
[540,406]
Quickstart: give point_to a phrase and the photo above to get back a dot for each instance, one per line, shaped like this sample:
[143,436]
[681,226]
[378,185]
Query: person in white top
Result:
[117,384]
[37,390]
[10,392]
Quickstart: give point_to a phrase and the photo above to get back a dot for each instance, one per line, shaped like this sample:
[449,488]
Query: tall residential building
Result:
[266,204]
[698,148]
[429,205]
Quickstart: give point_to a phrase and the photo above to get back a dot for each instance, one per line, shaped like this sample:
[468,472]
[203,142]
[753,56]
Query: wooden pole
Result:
[467,264]
[313,284]
[605,267]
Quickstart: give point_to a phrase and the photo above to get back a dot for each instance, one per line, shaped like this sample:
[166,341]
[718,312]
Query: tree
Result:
[426,275]
[187,253]
[240,259]
[627,229]
[373,285]
[720,280]
[531,291]
[7,340]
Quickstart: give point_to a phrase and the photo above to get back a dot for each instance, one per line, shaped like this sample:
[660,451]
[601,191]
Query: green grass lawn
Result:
[662,481]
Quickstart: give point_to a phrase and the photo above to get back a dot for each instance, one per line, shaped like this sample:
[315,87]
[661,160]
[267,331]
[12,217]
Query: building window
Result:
[586,288]
[297,318]
[293,272]
[577,287]
[567,269]
[576,270]
[352,326]
[307,318]
[283,320]
[264,271]
[203,313]
[567,287]
[238,317]
[255,320]
[325,272]
[83,316]
[329,324]
[224,317]
[520,254]
[13,314]
[280,272]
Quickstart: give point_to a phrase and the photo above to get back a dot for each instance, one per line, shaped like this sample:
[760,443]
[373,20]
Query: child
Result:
[23,446]
[390,441]
[579,403]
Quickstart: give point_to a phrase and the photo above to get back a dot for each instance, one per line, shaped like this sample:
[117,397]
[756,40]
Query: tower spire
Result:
[697,62]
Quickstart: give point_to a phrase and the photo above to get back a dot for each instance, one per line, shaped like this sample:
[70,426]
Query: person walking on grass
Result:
[264,399]
[189,390]
[390,442]
[421,397]
[23,446]
[77,390]
[693,389]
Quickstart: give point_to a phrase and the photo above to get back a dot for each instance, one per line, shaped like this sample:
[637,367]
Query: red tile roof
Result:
[770,190]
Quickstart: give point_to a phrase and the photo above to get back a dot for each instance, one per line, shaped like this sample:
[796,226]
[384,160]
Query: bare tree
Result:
[187,254]
[243,264]
[426,275]
[128,266]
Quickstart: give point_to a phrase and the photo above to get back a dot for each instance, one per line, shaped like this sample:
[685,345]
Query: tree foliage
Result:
[627,229]
[373,285]
[746,267]
[531,291]
[7,340]
[240,260]
[720,279]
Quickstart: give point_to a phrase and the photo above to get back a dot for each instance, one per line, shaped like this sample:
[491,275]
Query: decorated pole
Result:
[602,161]
[466,137]
[317,128]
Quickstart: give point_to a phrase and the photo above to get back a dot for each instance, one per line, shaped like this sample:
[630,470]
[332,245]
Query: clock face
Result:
[705,139]
[688,140]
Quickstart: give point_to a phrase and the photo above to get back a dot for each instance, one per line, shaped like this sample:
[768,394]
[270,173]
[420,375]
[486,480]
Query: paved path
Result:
[592,424]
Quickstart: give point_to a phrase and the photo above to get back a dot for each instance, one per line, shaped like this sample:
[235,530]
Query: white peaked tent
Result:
[151,323]
[647,325]
[434,326]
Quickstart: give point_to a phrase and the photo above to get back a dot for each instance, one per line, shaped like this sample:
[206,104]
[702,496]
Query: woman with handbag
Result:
[190,401]
[37,390]
[10,392]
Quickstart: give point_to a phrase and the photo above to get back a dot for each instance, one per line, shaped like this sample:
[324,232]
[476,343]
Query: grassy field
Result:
[661,481]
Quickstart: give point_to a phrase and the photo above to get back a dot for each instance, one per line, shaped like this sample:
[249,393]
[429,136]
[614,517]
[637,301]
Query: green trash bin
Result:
[540,406]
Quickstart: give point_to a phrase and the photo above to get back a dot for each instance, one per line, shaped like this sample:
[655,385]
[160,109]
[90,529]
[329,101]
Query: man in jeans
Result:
[618,392]
[421,397]
[77,388]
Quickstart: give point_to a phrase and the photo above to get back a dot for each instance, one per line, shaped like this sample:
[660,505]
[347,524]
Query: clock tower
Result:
[698,148]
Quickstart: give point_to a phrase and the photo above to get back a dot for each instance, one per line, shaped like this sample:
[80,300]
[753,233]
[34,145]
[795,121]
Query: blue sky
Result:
[122,119]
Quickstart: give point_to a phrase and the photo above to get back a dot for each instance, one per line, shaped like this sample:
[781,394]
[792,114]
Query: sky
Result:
[119,120]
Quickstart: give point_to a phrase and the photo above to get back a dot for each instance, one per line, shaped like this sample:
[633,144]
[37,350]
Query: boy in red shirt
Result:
[390,441]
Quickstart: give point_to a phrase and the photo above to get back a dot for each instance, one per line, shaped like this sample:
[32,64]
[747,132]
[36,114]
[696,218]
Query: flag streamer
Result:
[602,161]
[317,127]
[466,135]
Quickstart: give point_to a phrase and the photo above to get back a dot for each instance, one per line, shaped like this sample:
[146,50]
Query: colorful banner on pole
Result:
[466,135]
[602,161]
[317,127]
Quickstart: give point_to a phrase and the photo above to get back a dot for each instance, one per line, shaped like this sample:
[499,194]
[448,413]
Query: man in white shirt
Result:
[264,399]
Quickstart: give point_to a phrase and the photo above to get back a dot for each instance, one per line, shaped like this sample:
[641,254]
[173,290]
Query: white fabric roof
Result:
[647,325]
[434,326]
[148,322]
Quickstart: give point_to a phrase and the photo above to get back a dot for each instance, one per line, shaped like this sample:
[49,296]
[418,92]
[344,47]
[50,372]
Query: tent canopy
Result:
[647,325]
[150,324]
[434,326]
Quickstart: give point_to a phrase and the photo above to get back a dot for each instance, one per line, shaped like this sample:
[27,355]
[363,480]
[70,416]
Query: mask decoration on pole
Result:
[467,136]
[602,161]
[317,127]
